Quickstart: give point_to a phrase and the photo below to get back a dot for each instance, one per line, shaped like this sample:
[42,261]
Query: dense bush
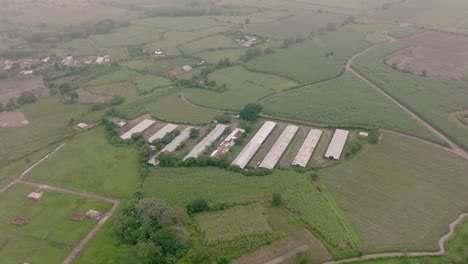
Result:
[197,206]
[224,118]
[250,112]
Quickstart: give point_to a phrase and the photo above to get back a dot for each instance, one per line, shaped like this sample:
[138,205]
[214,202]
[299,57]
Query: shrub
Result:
[194,133]
[251,112]
[276,199]
[197,206]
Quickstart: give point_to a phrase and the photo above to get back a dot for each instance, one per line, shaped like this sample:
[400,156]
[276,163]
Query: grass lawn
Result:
[101,168]
[400,194]
[209,43]
[50,234]
[430,97]
[306,62]
[243,87]
[345,100]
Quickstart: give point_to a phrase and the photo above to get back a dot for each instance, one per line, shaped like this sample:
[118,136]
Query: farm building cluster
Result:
[276,152]
[247,41]
[186,68]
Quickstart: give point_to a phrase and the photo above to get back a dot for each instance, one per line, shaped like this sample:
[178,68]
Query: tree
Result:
[374,136]
[224,118]
[12,105]
[167,239]
[269,51]
[252,53]
[197,206]
[65,88]
[276,199]
[223,260]
[73,96]
[194,133]
[300,38]
[251,112]
[26,97]
[141,253]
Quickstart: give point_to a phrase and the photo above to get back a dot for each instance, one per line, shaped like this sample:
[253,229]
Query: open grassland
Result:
[101,168]
[400,194]
[233,223]
[401,32]
[243,87]
[78,47]
[50,234]
[431,98]
[49,121]
[346,100]
[158,67]
[131,35]
[307,62]
[124,89]
[178,23]
[209,43]
[215,56]
[180,186]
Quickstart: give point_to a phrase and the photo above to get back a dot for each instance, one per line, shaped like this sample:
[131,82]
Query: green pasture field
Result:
[400,194]
[173,109]
[233,223]
[430,97]
[148,82]
[50,121]
[401,32]
[180,186]
[302,23]
[215,56]
[124,89]
[210,43]
[345,100]
[158,67]
[178,23]
[78,47]
[131,35]
[101,168]
[50,234]
[306,62]
[117,53]
[243,87]
[120,75]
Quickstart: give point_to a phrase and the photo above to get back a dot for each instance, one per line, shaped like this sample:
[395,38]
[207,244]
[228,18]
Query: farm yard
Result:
[252,131]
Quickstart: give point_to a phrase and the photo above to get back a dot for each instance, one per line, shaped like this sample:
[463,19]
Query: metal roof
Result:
[208,140]
[182,137]
[281,144]
[337,144]
[307,149]
[162,132]
[142,126]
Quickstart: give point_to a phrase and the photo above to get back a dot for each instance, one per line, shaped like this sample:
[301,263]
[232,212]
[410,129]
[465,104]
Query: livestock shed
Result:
[207,141]
[281,144]
[307,149]
[254,145]
[140,127]
[35,196]
[227,144]
[181,138]
[162,132]
[337,144]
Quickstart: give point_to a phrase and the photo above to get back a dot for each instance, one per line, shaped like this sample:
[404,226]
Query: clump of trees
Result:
[117,100]
[152,232]
[224,118]
[251,112]
[276,199]
[252,53]
[226,62]
[354,146]
[374,136]
[194,133]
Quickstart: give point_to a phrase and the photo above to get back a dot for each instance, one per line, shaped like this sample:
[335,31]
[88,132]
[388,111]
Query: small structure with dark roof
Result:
[78,217]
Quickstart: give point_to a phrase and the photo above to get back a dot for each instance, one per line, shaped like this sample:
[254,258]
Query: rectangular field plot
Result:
[207,141]
[254,144]
[307,149]
[279,147]
[233,223]
[49,233]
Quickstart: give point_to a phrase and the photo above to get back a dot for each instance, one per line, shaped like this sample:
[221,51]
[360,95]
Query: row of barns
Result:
[274,155]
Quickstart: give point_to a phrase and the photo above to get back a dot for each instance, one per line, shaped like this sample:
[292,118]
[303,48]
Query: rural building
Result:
[187,68]
[228,142]
[142,126]
[121,124]
[206,142]
[162,132]
[103,60]
[337,144]
[281,144]
[35,196]
[181,138]
[254,145]
[93,214]
[307,149]
[363,134]
[78,217]
[83,126]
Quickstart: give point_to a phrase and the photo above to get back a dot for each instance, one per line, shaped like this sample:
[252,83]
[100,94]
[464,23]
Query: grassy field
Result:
[131,35]
[300,62]
[431,98]
[400,194]
[401,32]
[243,87]
[209,43]
[158,67]
[233,223]
[215,56]
[346,100]
[101,168]
[50,234]
[178,23]
[180,186]
[79,47]
[49,121]
[124,89]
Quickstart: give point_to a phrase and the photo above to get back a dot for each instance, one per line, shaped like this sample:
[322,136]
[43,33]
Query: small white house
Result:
[83,126]
[121,124]
[363,134]
[35,196]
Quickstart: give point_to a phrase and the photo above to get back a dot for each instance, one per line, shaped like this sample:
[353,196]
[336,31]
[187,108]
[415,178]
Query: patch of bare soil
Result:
[284,250]
[433,54]
[13,87]
[13,119]
[87,97]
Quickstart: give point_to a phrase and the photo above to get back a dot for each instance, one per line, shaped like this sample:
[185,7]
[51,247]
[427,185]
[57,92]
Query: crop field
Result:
[101,168]
[78,47]
[131,35]
[209,43]
[401,32]
[345,100]
[400,194]
[178,23]
[159,67]
[87,97]
[13,87]
[432,98]
[215,56]
[124,89]
[243,87]
[233,223]
[49,122]
[147,82]
[140,106]
[297,62]
[290,27]
[50,234]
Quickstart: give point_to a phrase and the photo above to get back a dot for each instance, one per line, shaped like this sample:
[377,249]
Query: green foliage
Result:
[223,260]
[224,63]
[1,107]
[303,258]
[12,104]
[353,147]
[251,112]
[276,200]
[194,133]
[225,118]
[197,206]
[3,74]
[252,53]
[374,136]
[141,253]
[135,50]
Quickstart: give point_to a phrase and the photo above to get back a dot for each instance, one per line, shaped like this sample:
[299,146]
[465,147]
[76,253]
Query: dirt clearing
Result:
[13,87]
[284,250]
[13,119]
[433,54]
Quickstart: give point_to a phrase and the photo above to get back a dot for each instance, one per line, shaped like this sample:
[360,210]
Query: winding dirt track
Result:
[78,248]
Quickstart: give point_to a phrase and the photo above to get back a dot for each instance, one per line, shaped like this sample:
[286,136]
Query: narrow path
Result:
[79,247]
[441,251]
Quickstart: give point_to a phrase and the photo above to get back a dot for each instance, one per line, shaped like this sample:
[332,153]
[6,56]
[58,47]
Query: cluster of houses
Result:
[72,61]
[247,41]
